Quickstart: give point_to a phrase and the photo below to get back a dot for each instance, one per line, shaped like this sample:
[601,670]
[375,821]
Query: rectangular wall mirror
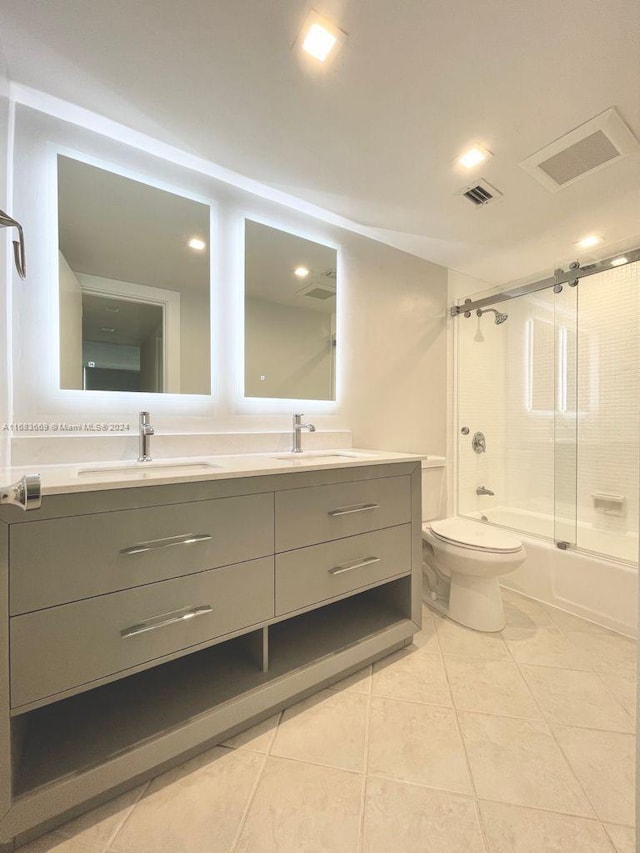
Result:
[290,316]
[133,285]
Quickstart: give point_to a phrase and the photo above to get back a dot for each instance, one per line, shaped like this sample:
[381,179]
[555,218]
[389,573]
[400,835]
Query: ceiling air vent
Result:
[595,144]
[318,290]
[480,194]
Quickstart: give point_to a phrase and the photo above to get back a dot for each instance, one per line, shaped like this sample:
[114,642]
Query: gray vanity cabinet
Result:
[139,625]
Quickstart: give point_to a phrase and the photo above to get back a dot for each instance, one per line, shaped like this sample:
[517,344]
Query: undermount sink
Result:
[315,455]
[142,469]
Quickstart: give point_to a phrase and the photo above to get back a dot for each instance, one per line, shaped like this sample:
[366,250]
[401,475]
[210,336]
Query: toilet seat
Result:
[474,536]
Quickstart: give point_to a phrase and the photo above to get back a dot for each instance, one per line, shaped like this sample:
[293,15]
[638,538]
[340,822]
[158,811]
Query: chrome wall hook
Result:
[18,245]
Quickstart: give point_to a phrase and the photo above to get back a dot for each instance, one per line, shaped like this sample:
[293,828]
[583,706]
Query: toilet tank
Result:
[434,492]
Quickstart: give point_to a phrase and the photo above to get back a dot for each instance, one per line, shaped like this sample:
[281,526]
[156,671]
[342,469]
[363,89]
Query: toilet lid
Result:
[474,534]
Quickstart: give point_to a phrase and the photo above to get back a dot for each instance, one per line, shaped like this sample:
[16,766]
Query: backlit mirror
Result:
[133,285]
[290,315]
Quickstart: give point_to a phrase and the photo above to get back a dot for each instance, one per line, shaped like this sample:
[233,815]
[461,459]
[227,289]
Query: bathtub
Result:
[603,589]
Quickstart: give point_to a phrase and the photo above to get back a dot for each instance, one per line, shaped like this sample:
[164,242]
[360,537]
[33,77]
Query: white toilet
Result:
[462,562]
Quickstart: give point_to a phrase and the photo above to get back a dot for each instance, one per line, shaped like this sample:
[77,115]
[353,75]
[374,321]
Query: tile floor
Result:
[521,742]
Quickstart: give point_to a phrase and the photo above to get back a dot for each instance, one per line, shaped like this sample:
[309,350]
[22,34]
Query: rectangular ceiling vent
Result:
[597,143]
[318,290]
[480,194]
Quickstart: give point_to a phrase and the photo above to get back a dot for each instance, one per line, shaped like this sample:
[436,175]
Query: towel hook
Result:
[18,246]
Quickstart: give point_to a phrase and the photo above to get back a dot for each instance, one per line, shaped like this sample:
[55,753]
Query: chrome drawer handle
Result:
[166,619]
[349,567]
[156,544]
[347,510]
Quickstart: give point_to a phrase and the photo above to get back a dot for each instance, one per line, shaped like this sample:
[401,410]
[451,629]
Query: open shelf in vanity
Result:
[323,598]
[72,735]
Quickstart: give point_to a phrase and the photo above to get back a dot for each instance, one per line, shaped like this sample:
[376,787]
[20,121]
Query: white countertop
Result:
[91,477]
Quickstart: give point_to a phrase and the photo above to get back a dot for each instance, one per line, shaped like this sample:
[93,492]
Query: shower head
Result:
[500,318]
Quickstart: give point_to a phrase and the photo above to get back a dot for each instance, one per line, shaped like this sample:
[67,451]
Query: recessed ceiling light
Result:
[319,37]
[301,272]
[197,243]
[473,156]
[618,262]
[319,42]
[588,242]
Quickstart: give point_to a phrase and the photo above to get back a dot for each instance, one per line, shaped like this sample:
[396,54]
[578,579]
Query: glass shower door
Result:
[566,416]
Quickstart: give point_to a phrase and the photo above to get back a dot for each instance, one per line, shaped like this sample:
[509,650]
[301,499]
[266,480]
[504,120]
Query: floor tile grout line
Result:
[130,810]
[365,763]
[562,753]
[254,789]
[546,714]
[485,842]
[550,729]
[313,763]
[488,799]
[248,804]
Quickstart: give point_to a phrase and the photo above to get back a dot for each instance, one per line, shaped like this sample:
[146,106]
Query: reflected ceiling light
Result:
[320,37]
[301,272]
[197,243]
[111,310]
[109,329]
[618,262]
[588,242]
[473,156]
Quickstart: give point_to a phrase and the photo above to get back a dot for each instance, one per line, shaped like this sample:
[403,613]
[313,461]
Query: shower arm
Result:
[18,245]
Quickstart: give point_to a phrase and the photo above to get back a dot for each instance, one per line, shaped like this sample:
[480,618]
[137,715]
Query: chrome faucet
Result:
[144,444]
[298,426]
[483,490]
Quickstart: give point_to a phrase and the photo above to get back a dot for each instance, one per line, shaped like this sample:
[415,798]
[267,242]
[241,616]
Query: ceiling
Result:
[117,228]
[271,256]
[374,136]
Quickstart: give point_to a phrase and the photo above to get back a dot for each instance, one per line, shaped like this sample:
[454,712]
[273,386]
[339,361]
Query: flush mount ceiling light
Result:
[476,154]
[588,242]
[197,244]
[320,38]
[618,262]
[301,272]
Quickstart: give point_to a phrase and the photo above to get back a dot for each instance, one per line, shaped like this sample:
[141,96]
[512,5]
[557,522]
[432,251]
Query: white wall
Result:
[391,346]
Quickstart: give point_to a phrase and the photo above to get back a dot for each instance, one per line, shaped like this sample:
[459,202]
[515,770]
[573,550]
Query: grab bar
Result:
[6,221]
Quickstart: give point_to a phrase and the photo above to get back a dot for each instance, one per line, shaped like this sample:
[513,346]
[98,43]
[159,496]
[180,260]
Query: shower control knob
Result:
[465,430]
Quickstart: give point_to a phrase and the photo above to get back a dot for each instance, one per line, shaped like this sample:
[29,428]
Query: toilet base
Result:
[476,603]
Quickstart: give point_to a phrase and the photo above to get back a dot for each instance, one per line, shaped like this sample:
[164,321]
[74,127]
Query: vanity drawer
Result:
[321,513]
[312,575]
[67,559]
[64,647]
